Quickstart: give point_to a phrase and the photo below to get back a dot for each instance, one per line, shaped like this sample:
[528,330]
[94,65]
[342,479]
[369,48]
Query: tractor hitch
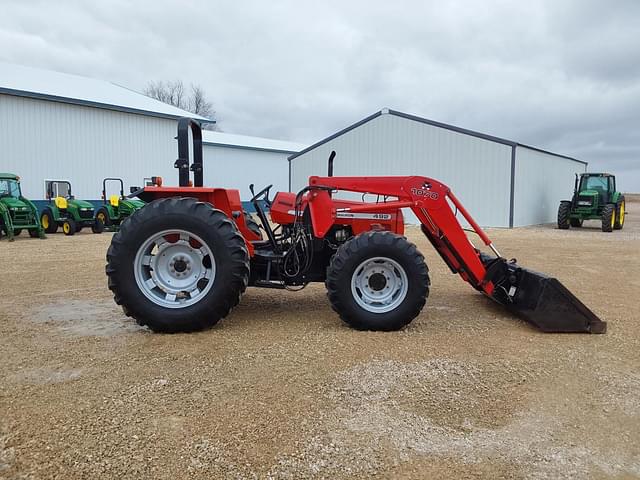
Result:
[541,300]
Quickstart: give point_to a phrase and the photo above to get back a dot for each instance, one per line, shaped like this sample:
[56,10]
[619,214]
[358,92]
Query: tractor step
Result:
[541,300]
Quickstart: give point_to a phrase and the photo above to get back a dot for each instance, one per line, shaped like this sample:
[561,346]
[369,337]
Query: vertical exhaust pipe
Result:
[330,169]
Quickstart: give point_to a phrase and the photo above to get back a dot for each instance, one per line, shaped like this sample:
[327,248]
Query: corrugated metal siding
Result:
[49,140]
[541,181]
[237,168]
[477,170]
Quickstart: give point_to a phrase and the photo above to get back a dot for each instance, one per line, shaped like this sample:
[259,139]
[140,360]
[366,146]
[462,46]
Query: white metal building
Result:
[235,161]
[66,127]
[501,182]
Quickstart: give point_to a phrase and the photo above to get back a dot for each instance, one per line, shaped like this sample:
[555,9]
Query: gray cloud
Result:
[558,75]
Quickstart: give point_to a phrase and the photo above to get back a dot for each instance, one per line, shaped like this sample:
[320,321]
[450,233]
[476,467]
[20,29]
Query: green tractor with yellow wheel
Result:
[595,197]
[116,207]
[16,212]
[65,211]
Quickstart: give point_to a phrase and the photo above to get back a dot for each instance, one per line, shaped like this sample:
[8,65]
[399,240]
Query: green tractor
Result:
[65,211]
[594,198]
[116,207]
[16,212]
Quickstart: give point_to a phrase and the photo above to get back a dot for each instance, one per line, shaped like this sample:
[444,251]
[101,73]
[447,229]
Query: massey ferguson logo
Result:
[425,193]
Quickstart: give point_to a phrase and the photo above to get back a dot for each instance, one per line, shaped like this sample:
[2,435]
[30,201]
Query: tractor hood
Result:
[14,203]
[588,198]
[133,203]
[81,204]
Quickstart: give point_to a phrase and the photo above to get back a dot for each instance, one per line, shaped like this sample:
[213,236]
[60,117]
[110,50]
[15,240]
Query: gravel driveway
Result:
[282,389]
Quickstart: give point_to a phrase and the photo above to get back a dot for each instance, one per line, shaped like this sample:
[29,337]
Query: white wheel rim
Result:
[379,284]
[174,268]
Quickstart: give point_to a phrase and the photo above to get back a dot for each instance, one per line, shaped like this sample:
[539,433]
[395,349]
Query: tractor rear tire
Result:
[608,217]
[191,227]
[576,222]
[98,226]
[48,222]
[377,281]
[69,227]
[620,211]
[564,210]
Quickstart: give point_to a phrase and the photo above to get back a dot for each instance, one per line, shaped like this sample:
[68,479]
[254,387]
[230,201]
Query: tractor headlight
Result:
[586,203]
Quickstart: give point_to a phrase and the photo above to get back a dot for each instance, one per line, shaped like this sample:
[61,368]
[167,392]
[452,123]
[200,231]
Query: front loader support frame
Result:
[540,300]
[6,221]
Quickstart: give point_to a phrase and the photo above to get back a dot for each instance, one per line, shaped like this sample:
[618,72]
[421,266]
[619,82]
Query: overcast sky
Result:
[561,75]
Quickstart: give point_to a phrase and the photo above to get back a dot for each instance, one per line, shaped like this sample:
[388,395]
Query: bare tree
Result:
[199,103]
[173,92]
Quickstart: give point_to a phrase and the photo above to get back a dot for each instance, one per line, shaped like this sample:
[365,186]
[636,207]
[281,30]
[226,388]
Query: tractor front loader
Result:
[16,212]
[116,207]
[182,262]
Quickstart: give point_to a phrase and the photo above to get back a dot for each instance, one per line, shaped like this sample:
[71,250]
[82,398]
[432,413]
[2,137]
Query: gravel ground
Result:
[281,389]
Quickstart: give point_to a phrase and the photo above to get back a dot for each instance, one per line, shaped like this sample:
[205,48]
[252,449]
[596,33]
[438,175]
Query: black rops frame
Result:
[49,187]
[182,163]
[104,187]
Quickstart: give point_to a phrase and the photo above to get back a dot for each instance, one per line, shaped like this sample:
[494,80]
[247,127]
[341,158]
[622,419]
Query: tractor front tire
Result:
[564,210]
[620,212]
[377,281]
[69,227]
[17,232]
[103,215]
[177,265]
[576,222]
[48,222]
[608,217]
[34,233]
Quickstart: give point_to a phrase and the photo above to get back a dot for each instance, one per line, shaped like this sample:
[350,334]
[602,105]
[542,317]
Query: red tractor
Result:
[182,262]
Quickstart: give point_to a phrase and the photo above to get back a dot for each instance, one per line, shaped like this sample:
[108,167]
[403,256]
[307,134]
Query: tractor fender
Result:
[54,211]
[110,210]
[616,197]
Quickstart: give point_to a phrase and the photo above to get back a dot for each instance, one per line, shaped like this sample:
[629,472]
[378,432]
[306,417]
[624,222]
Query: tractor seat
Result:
[60,202]
[114,200]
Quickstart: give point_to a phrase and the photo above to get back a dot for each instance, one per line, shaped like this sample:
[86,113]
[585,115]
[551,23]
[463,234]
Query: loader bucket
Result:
[545,303]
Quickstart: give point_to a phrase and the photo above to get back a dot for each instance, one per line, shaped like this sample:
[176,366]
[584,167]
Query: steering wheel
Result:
[264,191]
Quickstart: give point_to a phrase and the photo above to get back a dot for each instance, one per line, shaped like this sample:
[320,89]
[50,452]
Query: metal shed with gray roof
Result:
[502,183]
[59,126]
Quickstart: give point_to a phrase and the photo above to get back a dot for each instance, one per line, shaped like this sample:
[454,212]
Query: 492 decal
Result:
[364,216]
[425,193]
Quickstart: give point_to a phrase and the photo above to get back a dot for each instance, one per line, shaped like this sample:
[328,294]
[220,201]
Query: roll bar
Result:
[182,163]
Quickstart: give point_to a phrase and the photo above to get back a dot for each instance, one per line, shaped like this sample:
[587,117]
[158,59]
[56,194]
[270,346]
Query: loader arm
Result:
[428,199]
[539,299]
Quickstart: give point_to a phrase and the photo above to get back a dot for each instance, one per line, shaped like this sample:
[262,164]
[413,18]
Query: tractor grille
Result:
[86,213]
[21,218]
[585,201]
